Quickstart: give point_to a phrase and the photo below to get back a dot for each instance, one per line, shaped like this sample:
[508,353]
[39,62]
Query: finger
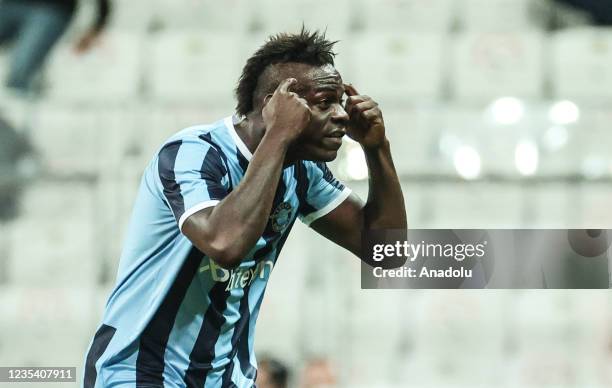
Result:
[371,114]
[365,105]
[359,108]
[303,101]
[307,107]
[298,97]
[286,84]
[352,100]
[350,90]
[266,99]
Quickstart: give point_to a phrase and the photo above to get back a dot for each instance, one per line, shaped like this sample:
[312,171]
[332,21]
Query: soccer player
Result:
[214,209]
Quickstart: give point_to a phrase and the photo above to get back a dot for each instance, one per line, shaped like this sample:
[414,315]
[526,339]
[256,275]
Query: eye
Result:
[325,104]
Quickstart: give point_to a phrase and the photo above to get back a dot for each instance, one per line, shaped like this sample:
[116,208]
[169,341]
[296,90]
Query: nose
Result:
[340,114]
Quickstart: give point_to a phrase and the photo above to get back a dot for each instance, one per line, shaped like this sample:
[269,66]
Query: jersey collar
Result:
[244,150]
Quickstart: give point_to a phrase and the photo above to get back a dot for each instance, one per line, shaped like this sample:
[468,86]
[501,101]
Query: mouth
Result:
[334,139]
[337,133]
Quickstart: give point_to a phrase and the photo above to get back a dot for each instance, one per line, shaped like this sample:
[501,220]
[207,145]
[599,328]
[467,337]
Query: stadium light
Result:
[555,138]
[526,157]
[467,162]
[594,166]
[448,143]
[564,113]
[507,110]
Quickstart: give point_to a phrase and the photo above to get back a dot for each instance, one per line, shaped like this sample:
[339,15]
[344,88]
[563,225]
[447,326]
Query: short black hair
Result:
[307,47]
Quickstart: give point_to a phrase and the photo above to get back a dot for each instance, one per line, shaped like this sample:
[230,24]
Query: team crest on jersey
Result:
[281,216]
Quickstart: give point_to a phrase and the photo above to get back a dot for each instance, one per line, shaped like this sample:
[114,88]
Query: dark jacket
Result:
[70,6]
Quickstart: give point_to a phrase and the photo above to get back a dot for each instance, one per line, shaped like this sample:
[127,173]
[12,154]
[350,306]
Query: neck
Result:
[251,130]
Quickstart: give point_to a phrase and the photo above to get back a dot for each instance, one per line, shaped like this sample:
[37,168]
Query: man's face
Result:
[323,89]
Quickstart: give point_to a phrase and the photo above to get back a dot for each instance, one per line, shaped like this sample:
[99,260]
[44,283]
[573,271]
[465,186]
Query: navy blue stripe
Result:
[301,176]
[100,342]
[203,352]
[154,339]
[208,138]
[283,239]
[165,169]
[240,336]
[279,197]
[242,161]
[328,176]
[212,171]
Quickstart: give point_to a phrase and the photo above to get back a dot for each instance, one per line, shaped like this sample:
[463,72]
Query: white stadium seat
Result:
[160,121]
[396,68]
[110,73]
[230,16]
[432,16]
[490,65]
[125,15]
[89,140]
[595,207]
[66,255]
[581,64]
[545,338]
[551,206]
[43,252]
[497,15]
[438,354]
[68,140]
[115,198]
[132,15]
[41,321]
[470,205]
[194,68]
[412,134]
[590,142]
[485,131]
[274,16]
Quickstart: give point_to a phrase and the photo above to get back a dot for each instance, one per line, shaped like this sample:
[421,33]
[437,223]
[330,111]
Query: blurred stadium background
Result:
[500,116]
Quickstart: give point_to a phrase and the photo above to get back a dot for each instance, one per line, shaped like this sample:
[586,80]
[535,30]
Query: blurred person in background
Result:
[34,27]
[600,10]
[318,373]
[14,148]
[215,207]
[271,373]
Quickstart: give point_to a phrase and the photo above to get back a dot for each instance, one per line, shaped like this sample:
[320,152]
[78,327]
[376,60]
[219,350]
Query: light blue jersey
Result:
[175,318]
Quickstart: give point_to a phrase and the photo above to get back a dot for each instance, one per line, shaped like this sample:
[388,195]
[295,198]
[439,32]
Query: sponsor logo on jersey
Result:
[238,277]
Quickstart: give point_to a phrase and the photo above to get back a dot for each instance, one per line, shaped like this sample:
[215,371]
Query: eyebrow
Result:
[329,87]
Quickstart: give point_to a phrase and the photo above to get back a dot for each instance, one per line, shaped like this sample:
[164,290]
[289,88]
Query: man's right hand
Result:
[286,114]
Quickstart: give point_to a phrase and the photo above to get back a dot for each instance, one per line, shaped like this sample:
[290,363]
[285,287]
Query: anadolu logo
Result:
[281,216]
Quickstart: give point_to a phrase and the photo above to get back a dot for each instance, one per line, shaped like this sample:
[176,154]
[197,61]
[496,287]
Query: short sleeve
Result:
[193,176]
[321,192]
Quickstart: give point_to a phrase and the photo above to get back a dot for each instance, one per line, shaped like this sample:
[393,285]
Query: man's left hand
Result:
[366,125]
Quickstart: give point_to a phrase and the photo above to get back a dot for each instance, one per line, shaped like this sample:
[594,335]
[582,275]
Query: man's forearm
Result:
[385,207]
[240,219]
[231,229]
